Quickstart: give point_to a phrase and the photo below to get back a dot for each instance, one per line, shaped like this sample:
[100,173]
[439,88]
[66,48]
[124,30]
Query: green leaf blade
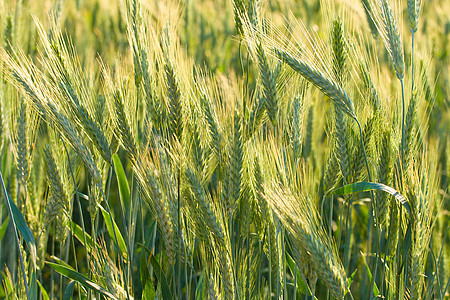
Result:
[80,279]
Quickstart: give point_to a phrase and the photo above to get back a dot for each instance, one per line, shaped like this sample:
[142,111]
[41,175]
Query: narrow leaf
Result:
[80,235]
[369,275]
[68,292]
[80,279]
[43,292]
[301,285]
[200,290]
[3,228]
[109,226]
[21,224]
[33,286]
[166,294]
[124,189]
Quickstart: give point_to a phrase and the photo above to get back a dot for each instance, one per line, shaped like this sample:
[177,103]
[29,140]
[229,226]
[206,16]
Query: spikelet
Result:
[296,127]
[332,174]
[235,167]
[413,14]
[301,219]
[214,158]
[21,145]
[153,105]
[70,89]
[309,132]
[331,89]
[157,181]
[339,55]
[58,208]
[239,10]
[387,26]
[410,123]
[268,85]
[122,126]
[422,194]
[205,209]
[154,195]
[226,273]
[256,117]
[359,162]
[72,136]
[213,294]
[174,95]
[368,12]
[300,257]
[341,129]
[91,127]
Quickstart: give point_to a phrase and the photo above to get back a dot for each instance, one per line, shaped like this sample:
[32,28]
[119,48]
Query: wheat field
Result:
[236,149]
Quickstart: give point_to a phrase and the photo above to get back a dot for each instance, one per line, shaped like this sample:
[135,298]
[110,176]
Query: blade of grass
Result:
[68,293]
[69,273]
[18,222]
[109,225]
[3,228]
[43,292]
[369,186]
[80,235]
[124,188]
[165,289]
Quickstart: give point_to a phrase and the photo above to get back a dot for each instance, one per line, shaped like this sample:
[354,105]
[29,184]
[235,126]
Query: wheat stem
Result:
[403,127]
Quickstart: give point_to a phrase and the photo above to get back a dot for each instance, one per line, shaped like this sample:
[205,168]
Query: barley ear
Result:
[392,39]
[413,14]
[331,89]
[296,127]
[410,123]
[307,148]
[268,83]
[122,126]
[59,207]
[174,95]
[339,55]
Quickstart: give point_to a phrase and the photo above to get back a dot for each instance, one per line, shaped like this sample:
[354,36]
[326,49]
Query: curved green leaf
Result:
[369,186]
[80,235]
[80,279]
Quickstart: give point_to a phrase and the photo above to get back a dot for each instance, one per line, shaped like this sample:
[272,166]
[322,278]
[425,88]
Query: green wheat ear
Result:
[268,83]
[413,14]
[320,81]
[174,95]
[392,39]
